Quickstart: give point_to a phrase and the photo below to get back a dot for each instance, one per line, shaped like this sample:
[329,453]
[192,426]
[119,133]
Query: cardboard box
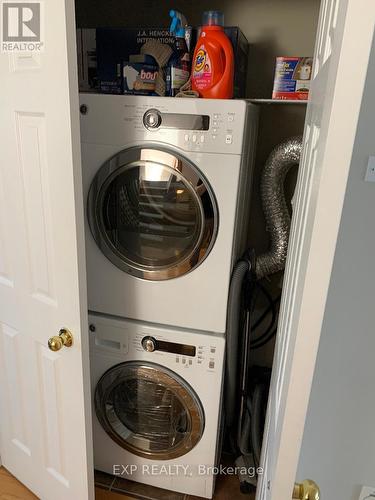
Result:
[292,78]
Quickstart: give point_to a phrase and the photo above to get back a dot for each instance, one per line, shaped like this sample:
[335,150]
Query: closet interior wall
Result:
[273,28]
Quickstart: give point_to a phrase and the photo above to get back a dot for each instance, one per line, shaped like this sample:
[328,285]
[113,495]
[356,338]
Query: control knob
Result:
[149,344]
[152,119]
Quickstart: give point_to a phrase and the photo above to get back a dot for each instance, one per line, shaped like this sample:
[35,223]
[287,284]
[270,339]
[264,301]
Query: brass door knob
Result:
[65,338]
[307,490]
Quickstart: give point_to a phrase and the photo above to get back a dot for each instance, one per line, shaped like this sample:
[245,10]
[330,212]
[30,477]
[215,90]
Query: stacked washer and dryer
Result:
[167,183]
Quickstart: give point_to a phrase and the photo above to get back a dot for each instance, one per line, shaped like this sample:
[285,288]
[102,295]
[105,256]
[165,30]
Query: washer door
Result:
[152,213]
[149,410]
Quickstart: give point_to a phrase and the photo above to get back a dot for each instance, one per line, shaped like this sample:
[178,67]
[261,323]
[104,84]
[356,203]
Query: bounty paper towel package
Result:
[292,78]
[139,78]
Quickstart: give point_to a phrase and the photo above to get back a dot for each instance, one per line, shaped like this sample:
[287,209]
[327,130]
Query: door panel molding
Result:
[45,398]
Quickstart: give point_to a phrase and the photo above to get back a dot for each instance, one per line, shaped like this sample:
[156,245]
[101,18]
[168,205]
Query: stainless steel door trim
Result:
[163,377]
[140,270]
[194,181]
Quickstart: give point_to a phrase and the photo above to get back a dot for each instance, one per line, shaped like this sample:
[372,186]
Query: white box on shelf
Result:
[367,493]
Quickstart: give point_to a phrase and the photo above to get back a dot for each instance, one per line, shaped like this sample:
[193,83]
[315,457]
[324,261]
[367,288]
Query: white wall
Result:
[338,449]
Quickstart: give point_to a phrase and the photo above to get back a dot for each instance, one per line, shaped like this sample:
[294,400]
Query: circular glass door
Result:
[149,410]
[152,213]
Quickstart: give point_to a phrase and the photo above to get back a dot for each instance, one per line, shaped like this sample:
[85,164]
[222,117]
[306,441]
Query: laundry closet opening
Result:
[168,214]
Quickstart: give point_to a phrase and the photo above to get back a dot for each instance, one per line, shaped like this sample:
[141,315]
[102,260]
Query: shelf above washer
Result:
[278,101]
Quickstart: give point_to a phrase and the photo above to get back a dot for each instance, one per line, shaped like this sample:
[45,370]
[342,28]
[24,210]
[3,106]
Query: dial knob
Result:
[149,344]
[152,119]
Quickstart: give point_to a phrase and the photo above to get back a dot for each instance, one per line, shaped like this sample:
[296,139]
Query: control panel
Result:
[194,125]
[151,344]
[184,355]
[125,341]
[197,129]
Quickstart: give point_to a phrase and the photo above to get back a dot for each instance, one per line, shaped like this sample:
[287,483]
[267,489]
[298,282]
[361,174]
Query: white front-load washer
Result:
[167,185]
[156,403]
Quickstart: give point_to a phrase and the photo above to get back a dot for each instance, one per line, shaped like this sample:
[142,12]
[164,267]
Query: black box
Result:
[241,55]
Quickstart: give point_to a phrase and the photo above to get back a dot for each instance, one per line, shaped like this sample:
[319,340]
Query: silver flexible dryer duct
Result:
[283,157]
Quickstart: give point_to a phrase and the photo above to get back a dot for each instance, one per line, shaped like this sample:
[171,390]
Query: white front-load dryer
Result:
[156,403]
[166,182]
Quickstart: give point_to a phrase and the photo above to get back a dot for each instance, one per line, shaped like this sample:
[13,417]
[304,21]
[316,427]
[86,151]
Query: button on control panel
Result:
[204,358]
[221,131]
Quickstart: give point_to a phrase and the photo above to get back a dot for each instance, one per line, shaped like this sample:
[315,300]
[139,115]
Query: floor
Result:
[227,488]
[110,488]
[11,489]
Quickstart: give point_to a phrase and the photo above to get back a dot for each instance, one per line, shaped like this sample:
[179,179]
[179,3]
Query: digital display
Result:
[182,349]
[185,122]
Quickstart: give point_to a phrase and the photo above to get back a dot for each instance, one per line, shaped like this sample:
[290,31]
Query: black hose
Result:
[271,308]
[268,334]
[233,324]
[263,340]
[257,421]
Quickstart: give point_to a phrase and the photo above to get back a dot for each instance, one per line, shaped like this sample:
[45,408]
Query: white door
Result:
[45,420]
[342,51]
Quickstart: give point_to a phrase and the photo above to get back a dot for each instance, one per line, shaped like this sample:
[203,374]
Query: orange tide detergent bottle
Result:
[213,61]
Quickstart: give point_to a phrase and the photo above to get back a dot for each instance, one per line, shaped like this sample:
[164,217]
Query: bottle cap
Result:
[213,18]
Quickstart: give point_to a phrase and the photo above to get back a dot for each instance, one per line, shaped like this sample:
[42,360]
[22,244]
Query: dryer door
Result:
[152,213]
[149,410]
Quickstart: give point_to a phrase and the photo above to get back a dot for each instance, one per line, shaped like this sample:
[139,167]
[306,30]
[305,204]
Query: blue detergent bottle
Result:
[179,65]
